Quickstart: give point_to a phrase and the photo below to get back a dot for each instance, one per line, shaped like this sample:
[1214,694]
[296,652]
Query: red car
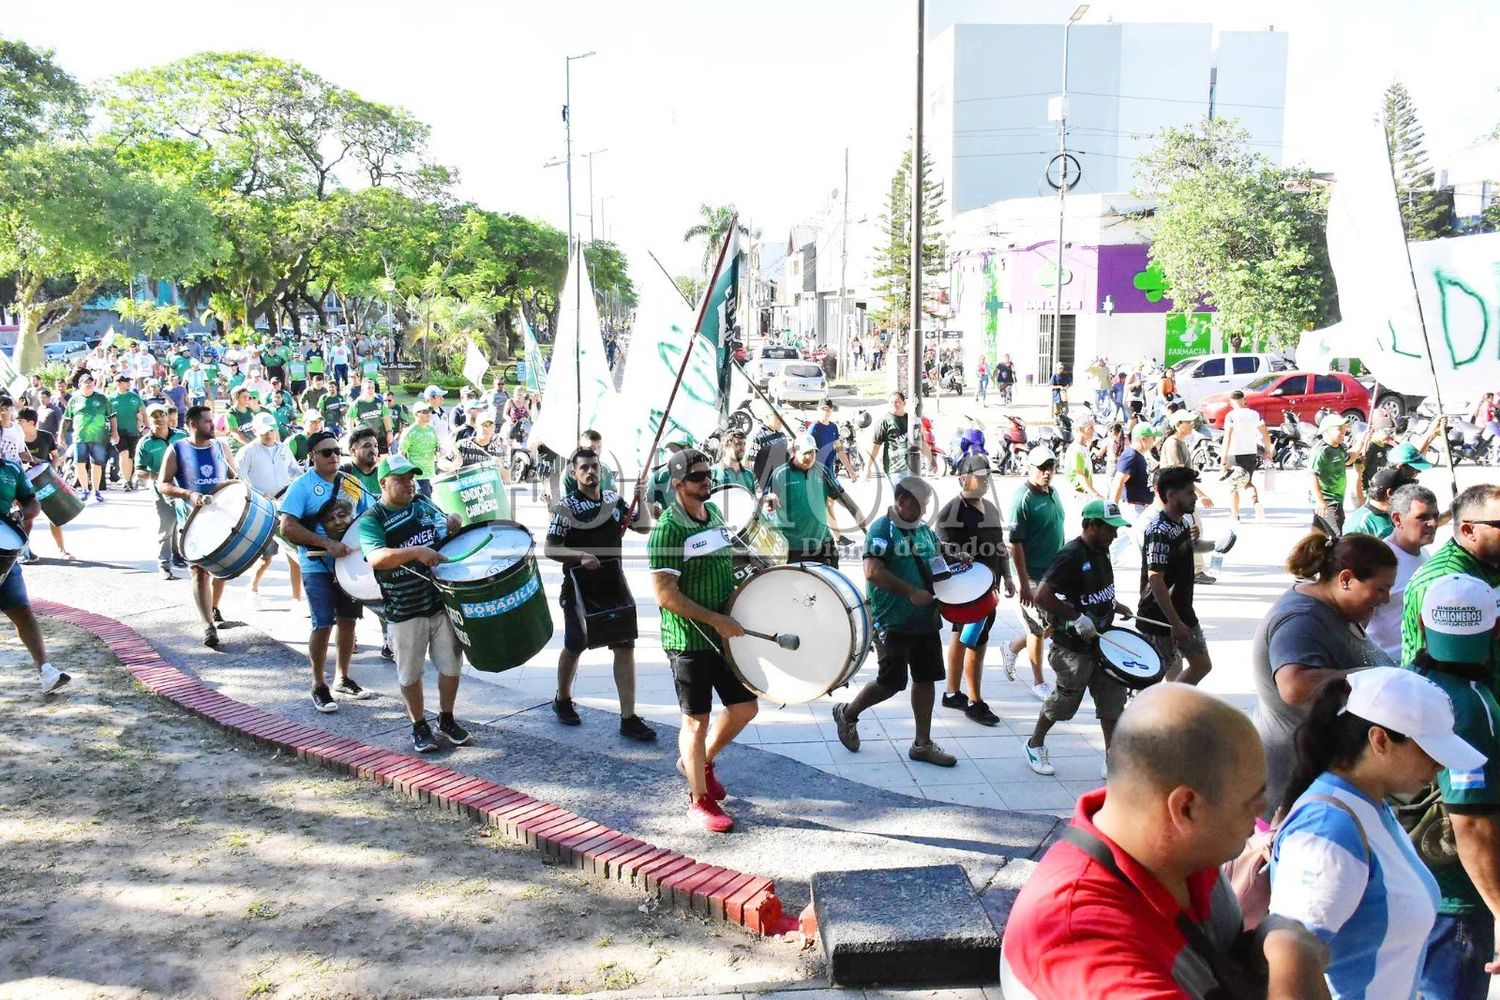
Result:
[1301,392]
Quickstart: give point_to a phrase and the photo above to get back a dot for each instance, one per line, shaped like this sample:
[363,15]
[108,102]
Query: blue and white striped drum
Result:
[229,532]
[818,605]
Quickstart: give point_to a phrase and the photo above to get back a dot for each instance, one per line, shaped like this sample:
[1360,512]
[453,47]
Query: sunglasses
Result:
[1047,466]
[325,452]
[696,477]
[1492,524]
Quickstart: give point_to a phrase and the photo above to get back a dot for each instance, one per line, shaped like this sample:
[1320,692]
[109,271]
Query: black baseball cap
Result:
[320,437]
[680,464]
[974,465]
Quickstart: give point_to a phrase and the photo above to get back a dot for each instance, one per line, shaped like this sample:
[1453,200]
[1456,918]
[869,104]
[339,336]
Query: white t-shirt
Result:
[12,443]
[1384,629]
[1245,424]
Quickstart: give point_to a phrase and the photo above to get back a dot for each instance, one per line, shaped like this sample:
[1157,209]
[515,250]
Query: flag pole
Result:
[682,368]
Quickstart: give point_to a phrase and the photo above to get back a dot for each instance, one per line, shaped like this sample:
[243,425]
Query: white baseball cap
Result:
[1038,457]
[1458,618]
[1405,702]
[263,423]
[806,442]
[1183,417]
[1331,421]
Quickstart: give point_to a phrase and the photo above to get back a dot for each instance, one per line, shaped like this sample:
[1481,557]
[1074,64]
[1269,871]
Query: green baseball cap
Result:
[1407,454]
[396,465]
[1109,513]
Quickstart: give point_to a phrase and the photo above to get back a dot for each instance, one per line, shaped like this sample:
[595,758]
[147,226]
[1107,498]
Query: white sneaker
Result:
[1041,691]
[1008,658]
[259,603]
[52,678]
[1037,758]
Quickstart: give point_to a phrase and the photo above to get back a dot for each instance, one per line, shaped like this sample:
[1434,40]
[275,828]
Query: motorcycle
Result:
[1011,460]
[1291,442]
[851,446]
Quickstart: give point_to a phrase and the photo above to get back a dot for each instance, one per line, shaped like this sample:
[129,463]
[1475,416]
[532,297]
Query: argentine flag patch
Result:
[1466,780]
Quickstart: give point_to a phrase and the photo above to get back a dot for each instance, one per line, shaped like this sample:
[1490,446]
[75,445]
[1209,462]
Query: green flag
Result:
[536,375]
[720,325]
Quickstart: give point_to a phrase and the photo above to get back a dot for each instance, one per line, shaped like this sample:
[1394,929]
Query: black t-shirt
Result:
[42,447]
[1374,461]
[891,436]
[976,530]
[589,525]
[1168,549]
[770,455]
[471,452]
[1004,373]
[1083,577]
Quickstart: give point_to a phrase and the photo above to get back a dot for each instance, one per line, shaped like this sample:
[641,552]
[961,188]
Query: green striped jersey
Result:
[1450,558]
[408,590]
[699,554]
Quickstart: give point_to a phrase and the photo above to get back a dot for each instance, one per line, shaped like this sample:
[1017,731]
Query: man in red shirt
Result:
[1129,900]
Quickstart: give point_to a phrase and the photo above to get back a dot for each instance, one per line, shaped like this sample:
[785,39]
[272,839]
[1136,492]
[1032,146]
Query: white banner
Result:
[474,365]
[580,392]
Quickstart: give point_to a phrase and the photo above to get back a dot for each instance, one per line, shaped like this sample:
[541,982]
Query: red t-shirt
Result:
[1077,930]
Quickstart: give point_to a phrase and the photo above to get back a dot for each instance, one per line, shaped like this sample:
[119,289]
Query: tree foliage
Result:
[893,257]
[37,97]
[1426,213]
[711,228]
[1235,232]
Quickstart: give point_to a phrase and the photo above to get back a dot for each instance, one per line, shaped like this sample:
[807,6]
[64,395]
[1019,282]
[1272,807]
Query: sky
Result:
[750,103]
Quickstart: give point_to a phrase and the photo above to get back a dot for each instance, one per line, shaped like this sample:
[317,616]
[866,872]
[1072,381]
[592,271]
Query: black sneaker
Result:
[957,700]
[848,729]
[634,727]
[211,637]
[421,737]
[980,713]
[322,700]
[179,562]
[218,617]
[167,574]
[452,731]
[566,713]
[387,652]
[346,688]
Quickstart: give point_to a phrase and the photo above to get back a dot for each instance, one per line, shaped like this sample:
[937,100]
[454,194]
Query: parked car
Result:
[1212,373]
[768,360]
[798,382]
[1303,393]
[65,350]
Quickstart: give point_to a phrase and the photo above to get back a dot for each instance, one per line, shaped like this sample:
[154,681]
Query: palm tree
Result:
[712,230]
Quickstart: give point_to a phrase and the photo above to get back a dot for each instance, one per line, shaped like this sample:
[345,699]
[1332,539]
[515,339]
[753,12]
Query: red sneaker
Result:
[713,818]
[715,789]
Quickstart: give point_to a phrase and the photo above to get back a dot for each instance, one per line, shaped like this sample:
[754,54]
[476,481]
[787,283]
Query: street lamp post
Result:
[1063,182]
[914,340]
[590,157]
[577,285]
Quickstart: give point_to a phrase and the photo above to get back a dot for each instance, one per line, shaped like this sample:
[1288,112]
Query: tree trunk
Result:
[40,317]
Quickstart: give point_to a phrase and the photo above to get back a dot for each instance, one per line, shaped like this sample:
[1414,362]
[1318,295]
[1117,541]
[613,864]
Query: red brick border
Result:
[689,885]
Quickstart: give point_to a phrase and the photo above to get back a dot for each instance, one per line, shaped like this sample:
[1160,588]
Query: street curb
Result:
[683,882]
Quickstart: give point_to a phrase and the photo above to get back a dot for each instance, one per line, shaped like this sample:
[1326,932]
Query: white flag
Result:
[474,364]
[580,391]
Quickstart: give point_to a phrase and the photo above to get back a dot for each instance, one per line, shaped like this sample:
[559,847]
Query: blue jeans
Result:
[1457,949]
[13,595]
[327,601]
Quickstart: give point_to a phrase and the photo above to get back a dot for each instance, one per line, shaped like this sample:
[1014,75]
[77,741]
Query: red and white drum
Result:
[967,594]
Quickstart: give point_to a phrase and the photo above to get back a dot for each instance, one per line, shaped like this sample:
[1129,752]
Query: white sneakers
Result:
[1041,691]
[1008,657]
[1037,757]
[52,678]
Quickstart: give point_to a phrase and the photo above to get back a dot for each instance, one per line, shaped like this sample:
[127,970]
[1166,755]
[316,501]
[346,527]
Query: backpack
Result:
[1425,819]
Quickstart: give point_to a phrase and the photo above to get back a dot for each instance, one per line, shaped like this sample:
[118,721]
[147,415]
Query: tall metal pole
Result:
[914,450]
[1063,183]
[578,282]
[844,270]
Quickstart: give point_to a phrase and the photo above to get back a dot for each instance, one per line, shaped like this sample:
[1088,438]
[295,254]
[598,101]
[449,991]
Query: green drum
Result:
[58,501]
[475,493]
[493,594]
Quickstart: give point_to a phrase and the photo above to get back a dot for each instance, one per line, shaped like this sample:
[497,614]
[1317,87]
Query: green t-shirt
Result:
[14,486]
[1037,523]
[239,420]
[369,480]
[420,444]
[907,553]
[1369,521]
[1476,717]
[211,375]
[802,509]
[275,358]
[315,365]
[127,407]
[891,435]
[660,491]
[180,364]
[370,368]
[408,592]
[371,413]
[237,379]
[1078,468]
[1449,558]
[151,450]
[297,445]
[698,553]
[723,475]
[1330,468]
[90,416]
[296,370]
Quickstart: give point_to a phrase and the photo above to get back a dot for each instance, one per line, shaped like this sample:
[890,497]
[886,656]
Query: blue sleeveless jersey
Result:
[200,469]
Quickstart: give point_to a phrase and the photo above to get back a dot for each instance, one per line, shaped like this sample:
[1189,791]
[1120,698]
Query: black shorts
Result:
[698,673]
[902,654]
[1247,462]
[127,444]
[975,634]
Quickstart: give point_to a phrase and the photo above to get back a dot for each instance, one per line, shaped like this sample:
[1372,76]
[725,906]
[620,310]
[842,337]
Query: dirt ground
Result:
[144,853]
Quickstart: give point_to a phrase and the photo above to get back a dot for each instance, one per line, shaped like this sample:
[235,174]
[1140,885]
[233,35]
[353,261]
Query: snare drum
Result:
[229,533]
[1129,658]
[756,542]
[817,604]
[494,596]
[56,497]
[353,573]
[967,594]
[602,601]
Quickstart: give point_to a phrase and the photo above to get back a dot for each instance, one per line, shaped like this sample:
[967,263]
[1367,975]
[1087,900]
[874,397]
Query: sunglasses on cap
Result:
[697,477]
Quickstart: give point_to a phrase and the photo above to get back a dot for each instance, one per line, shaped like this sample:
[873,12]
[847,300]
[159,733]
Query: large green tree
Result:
[1233,231]
[710,229]
[75,218]
[1426,213]
[38,98]
[893,256]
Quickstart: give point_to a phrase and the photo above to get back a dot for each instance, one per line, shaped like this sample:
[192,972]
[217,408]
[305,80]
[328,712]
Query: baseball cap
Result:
[1109,513]
[683,461]
[320,437]
[1144,430]
[1405,702]
[152,409]
[310,415]
[1405,454]
[421,406]
[914,487]
[974,465]
[805,443]
[122,377]
[432,392]
[1183,417]
[1385,480]
[1039,457]
[1458,618]
[263,423]
[1331,421]
[396,465]
[487,418]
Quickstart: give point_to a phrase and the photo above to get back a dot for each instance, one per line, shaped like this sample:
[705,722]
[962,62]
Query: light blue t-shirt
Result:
[307,495]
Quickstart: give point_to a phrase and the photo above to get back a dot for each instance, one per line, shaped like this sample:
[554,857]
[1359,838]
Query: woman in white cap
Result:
[1341,864]
[268,466]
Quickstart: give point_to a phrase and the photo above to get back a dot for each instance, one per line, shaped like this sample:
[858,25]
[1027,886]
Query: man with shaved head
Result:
[1130,899]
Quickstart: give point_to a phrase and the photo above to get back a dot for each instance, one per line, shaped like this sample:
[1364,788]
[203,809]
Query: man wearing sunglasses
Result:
[692,570]
[148,455]
[301,511]
[1474,550]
